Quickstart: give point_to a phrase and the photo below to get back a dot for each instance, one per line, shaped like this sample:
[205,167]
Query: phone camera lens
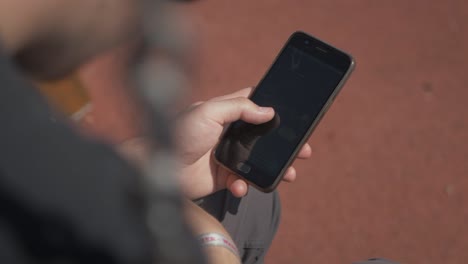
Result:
[306,42]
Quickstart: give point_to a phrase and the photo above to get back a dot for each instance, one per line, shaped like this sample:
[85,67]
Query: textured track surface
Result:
[389,174]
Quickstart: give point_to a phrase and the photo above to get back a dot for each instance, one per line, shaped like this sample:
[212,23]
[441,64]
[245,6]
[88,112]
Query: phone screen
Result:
[298,86]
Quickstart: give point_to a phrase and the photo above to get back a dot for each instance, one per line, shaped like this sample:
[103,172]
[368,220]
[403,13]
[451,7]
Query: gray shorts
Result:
[252,222]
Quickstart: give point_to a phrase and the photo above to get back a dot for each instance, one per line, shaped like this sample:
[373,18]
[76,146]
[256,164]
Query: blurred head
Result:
[48,38]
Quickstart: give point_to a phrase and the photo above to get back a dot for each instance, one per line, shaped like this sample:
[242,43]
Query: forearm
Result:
[220,255]
[198,219]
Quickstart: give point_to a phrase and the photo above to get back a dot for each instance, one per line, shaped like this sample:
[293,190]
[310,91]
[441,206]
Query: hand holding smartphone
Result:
[300,85]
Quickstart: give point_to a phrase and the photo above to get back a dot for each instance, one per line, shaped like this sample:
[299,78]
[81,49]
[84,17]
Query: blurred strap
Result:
[67,95]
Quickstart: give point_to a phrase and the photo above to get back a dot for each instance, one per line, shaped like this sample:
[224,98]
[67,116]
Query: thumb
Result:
[230,110]
[237,186]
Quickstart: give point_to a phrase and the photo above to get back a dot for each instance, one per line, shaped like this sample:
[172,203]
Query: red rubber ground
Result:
[389,173]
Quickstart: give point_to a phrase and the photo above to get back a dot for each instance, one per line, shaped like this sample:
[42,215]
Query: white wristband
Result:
[215,239]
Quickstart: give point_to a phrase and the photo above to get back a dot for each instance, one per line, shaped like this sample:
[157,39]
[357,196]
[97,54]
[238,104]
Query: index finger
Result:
[241,93]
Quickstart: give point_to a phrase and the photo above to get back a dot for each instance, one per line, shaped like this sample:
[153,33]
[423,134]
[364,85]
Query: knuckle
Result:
[247,91]
[205,108]
[243,102]
[193,107]
[197,103]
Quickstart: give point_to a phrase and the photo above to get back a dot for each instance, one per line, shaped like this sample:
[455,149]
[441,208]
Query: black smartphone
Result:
[300,85]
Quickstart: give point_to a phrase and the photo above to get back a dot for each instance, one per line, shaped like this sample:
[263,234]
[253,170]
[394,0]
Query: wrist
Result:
[219,247]
[218,240]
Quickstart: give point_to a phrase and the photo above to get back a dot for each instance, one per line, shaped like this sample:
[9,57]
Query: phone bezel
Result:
[322,51]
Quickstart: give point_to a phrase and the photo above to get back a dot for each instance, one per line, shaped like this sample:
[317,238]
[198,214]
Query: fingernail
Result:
[265,109]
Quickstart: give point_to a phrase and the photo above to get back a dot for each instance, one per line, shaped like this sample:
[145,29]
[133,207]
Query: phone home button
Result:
[241,166]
